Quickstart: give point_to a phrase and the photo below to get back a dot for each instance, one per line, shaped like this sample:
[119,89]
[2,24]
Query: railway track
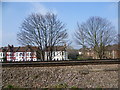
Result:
[59,63]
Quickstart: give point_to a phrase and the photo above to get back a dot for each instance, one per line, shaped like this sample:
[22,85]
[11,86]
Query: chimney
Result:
[65,45]
[8,45]
[12,46]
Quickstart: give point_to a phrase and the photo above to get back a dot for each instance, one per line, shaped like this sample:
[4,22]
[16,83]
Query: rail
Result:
[59,63]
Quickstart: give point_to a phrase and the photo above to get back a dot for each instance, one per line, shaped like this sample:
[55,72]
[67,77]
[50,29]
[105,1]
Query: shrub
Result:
[74,87]
[10,86]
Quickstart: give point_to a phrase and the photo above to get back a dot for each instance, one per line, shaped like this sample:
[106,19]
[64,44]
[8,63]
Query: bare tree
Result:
[43,31]
[95,33]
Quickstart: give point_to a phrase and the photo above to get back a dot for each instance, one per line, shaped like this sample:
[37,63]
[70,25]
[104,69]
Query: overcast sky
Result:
[69,13]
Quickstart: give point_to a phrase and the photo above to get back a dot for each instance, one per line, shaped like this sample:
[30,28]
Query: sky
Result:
[13,14]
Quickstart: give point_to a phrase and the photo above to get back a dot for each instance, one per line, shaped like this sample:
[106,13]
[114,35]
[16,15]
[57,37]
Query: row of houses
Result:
[111,52]
[30,53]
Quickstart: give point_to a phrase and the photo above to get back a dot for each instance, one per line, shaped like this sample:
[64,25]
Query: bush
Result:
[64,86]
[84,58]
[61,86]
[10,86]
[74,87]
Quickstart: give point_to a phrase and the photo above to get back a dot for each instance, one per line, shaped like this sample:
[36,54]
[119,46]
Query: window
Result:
[31,54]
[20,54]
[27,54]
[0,54]
[58,53]
[62,53]
[54,53]
[10,53]
[16,54]
[34,54]
[23,54]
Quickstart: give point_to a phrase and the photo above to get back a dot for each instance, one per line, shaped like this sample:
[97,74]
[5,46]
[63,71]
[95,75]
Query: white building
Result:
[58,53]
[25,56]
[2,54]
[27,53]
[32,53]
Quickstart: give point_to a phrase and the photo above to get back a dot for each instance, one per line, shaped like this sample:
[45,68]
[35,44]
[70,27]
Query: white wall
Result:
[58,55]
[25,56]
[22,56]
[80,53]
[1,55]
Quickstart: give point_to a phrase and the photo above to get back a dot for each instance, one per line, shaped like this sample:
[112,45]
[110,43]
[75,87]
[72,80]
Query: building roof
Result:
[85,49]
[108,48]
[11,48]
[3,49]
[113,47]
[27,49]
[57,48]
